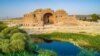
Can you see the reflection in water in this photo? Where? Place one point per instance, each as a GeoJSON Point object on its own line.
{"type": "Point", "coordinates": [67, 49]}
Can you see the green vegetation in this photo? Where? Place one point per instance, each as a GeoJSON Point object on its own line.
{"type": "Point", "coordinates": [79, 39]}
{"type": "Point", "coordinates": [16, 42]}
{"type": "Point", "coordinates": [2, 26]}
{"type": "Point", "coordinates": [95, 17]}
{"type": "Point", "coordinates": [46, 53]}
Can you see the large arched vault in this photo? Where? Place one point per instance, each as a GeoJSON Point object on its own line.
{"type": "Point", "coordinates": [48, 18]}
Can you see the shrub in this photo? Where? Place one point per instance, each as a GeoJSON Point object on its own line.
{"type": "Point", "coordinates": [5, 46]}
{"type": "Point", "coordinates": [14, 40]}
{"type": "Point", "coordinates": [16, 36]}
{"type": "Point", "coordinates": [2, 35]}
{"type": "Point", "coordinates": [17, 45]}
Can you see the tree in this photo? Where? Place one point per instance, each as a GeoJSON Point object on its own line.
{"type": "Point", "coordinates": [95, 17]}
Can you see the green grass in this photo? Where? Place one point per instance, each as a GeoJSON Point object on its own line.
{"type": "Point", "coordinates": [84, 40]}
{"type": "Point", "coordinates": [44, 52]}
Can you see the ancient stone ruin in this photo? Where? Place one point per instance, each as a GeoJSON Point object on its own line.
{"type": "Point", "coordinates": [41, 17]}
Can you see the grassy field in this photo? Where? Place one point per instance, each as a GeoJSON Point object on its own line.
{"type": "Point", "coordinates": [79, 39]}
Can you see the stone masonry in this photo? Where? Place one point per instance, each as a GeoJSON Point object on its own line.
{"type": "Point", "coordinates": [41, 17]}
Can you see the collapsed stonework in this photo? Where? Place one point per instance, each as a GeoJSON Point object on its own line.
{"type": "Point", "coordinates": [41, 17]}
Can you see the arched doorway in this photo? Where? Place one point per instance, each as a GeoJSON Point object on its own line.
{"type": "Point", "coordinates": [48, 18]}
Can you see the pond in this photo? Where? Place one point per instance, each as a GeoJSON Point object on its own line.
{"type": "Point", "coordinates": [67, 49]}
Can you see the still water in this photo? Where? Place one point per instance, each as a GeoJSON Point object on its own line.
{"type": "Point", "coordinates": [67, 49]}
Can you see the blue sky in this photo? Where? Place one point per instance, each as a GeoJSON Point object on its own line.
{"type": "Point", "coordinates": [16, 8]}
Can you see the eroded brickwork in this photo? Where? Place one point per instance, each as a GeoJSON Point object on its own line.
{"type": "Point", "coordinates": [42, 17]}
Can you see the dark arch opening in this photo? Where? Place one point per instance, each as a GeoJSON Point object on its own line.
{"type": "Point", "coordinates": [47, 18]}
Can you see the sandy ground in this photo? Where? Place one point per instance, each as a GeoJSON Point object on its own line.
{"type": "Point", "coordinates": [83, 27]}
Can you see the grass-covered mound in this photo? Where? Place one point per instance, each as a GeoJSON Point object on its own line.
{"type": "Point", "coordinates": [83, 40]}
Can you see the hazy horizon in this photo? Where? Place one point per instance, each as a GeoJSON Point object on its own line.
{"type": "Point", "coordinates": [17, 8]}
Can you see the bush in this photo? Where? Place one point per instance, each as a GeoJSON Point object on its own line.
{"type": "Point", "coordinates": [14, 40]}
{"type": "Point", "coordinates": [2, 36]}
{"type": "Point", "coordinates": [5, 46]}
{"type": "Point", "coordinates": [16, 36]}
{"type": "Point", "coordinates": [17, 45]}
